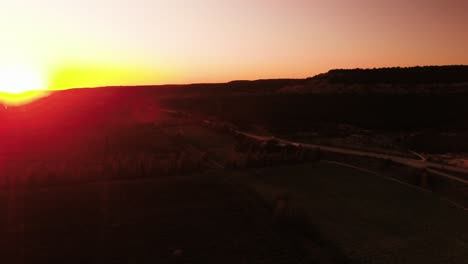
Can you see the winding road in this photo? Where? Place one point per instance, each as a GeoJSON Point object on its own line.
{"type": "Point", "coordinates": [421, 163]}
{"type": "Point", "coordinates": [414, 163]}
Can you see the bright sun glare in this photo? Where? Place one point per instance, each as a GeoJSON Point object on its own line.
{"type": "Point", "coordinates": [20, 84]}
{"type": "Point", "coordinates": [17, 79]}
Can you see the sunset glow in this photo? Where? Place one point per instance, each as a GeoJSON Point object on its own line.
{"type": "Point", "coordinates": [101, 42]}
{"type": "Point", "coordinates": [20, 84]}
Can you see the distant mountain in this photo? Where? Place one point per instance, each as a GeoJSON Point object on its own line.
{"type": "Point", "coordinates": [411, 80]}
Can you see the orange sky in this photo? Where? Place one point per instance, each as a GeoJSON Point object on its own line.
{"type": "Point", "coordinates": [120, 42]}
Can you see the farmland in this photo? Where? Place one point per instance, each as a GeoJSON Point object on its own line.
{"type": "Point", "coordinates": [142, 193]}
{"type": "Point", "coordinates": [372, 219]}
{"type": "Point", "coordinates": [181, 219]}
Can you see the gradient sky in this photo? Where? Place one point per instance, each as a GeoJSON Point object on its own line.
{"type": "Point", "coordinates": [119, 42]}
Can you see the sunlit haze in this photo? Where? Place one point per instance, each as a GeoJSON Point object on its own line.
{"type": "Point", "coordinates": [56, 44]}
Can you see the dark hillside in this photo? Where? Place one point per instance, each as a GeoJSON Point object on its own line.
{"type": "Point", "coordinates": [428, 75]}
{"type": "Point", "coordinates": [388, 99]}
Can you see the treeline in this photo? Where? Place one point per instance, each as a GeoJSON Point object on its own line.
{"type": "Point", "coordinates": [397, 75]}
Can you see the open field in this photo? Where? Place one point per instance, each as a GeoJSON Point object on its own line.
{"type": "Point", "coordinates": [371, 219]}
{"type": "Point", "coordinates": [145, 221]}
{"type": "Point", "coordinates": [132, 194]}
{"type": "Point", "coordinates": [217, 146]}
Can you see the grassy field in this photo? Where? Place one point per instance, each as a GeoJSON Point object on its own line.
{"type": "Point", "coordinates": [371, 219]}
{"type": "Point", "coordinates": [179, 219]}
{"type": "Point", "coordinates": [218, 146]}
{"type": "Point", "coordinates": [131, 194]}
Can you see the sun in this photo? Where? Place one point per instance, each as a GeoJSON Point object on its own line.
{"type": "Point", "coordinates": [17, 79]}
{"type": "Point", "coordinates": [20, 84]}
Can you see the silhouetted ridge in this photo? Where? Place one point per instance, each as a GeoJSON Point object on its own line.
{"type": "Point", "coordinates": [427, 74]}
